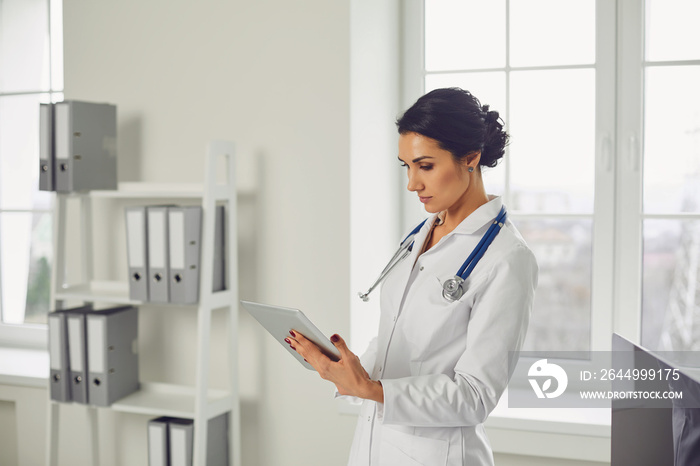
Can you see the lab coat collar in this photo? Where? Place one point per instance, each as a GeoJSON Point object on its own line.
{"type": "Point", "coordinates": [481, 217]}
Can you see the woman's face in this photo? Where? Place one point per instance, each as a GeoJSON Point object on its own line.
{"type": "Point", "coordinates": [440, 182]}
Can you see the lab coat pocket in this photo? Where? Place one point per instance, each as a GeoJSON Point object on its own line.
{"type": "Point", "coordinates": [437, 300]}
{"type": "Point", "coordinates": [433, 321]}
{"type": "Point", "coordinates": [415, 367]}
{"type": "Point", "coordinates": [401, 449]}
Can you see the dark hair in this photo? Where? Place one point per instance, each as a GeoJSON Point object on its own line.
{"type": "Point", "coordinates": [460, 124]}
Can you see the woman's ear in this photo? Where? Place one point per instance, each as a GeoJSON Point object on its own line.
{"type": "Point", "coordinates": [472, 160]}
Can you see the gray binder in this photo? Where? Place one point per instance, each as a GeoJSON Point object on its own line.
{"type": "Point", "coordinates": [219, 281]}
{"type": "Point", "coordinates": [85, 137]}
{"type": "Point", "coordinates": [77, 353]}
{"type": "Point", "coordinates": [137, 251]}
{"type": "Point", "coordinates": [47, 156]}
{"type": "Point", "coordinates": [181, 433]}
{"type": "Point", "coordinates": [170, 441]}
{"type": "Point", "coordinates": [112, 337]}
{"type": "Point", "coordinates": [59, 378]}
{"type": "Point", "coordinates": [185, 232]}
{"type": "Point", "coordinates": [217, 441]}
{"type": "Point", "coordinates": [158, 263]}
{"type": "Point", "coordinates": [158, 442]}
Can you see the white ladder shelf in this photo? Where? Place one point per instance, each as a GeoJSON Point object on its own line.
{"type": "Point", "coordinates": [199, 403]}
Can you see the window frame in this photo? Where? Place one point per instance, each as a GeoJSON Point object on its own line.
{"type": "Point", "coordinates": [32, 335]}
{"type": "Point", "coordinates": [632, 69]}
{"type": "Point", "coordinates": [629, 171]}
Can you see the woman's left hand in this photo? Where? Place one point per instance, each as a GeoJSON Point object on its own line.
{"type": "Point", "coordinates": [348, 375]}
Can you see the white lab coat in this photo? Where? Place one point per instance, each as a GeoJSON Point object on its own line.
{"type": "Point", "coordinates": [444, 365]}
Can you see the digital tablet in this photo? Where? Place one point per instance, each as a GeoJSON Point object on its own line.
{"type": "Point", "coordinates": [280, 320]}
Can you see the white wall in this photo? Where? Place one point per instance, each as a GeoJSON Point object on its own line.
{"type": "Point", "coordinates": [8, 433]}
{"type": "Point", "coordinates": [273, 76]}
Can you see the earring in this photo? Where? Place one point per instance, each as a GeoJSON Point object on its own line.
{"type": "Point", "coordinates": [470, 169]}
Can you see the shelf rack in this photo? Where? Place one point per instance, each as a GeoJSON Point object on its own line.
{"type": "Point", "coordinates": [197, 402]}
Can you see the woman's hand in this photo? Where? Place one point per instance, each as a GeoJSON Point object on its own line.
{"type": "Point", "coordinates": [348, 375]}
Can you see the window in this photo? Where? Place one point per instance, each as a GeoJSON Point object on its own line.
{"type": "Point", "coordinates": [666, 159]}
{"type": "Point", "coordinates": [538, 64]}
{"type": "Point", "coordinates": [31, 72]}
{"type": "Point", "coordinates": [602, 176]}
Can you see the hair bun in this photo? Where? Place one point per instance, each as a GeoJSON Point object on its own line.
{"type": "Point", "coordinates": [495, 138]}
{"type": "Point", "coordinates": [459, 123]}
{"type": "Point", "coordinates": [489, 116]}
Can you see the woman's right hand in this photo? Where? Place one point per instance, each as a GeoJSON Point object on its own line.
{"type": "Point", "coordinates": [348, 375]}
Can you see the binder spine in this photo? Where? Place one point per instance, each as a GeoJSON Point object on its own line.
{"type": "Point", "coordinates": [185, 225]}
{"type": "Point", "coordinates": [63, 168]}
{"type": "Point", "coordinates": [47, 155]}
{"type": "Point", "coordinates": [170, 441]}
{"type": "Point", "coordinates": [78, 357]}
{"type": "Point", "coordinates": [97, 354]}
{"type": "Point", "coordinates": [181, 440]}
{"type": "Point", "coordinates": [59, 378]}
{"type": "Point", "coordinates": [158, 442]}
{"type": "Point", "coordinates": [158, 251]}
{"type": "Point", "coordinates": [137, 251]}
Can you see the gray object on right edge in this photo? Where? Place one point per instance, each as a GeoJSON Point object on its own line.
{"type": "Point", "coordinates": [112, 338]}
{"type": "Point", "coordinates": [85, 144]}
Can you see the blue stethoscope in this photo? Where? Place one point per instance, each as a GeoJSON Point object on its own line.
{"type": "Point", "coordinates": [452, 289]}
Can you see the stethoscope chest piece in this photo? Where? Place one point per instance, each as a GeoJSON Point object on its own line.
{"type": "Point", "coordinates": [452, 289]}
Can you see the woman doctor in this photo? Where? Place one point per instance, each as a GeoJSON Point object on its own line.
{"type": "Point", "coordinates": [438, 366]}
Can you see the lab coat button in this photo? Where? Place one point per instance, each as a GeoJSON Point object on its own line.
{"type": "Point", "coordinates": [421, 268]}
